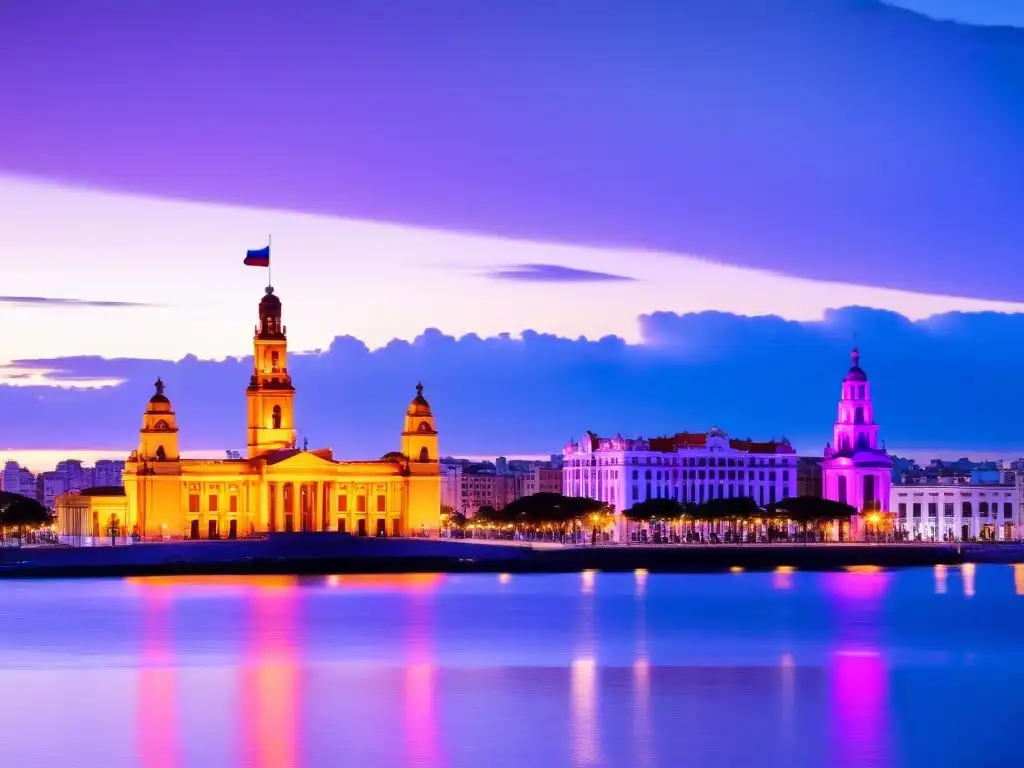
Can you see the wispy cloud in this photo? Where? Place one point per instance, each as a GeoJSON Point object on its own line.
{"type": "Point", "coordinates": [552, 273]}
{"type": "Point", "coordinates": [54, 301]}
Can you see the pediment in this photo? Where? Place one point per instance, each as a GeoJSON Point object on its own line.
{"type": "Point", "coordinates": [302, 460]}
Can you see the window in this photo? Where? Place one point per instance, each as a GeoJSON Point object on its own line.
{"type": "Point", "coordinates": [193, 503]}
{"type": "Point", "coordinates": [1008, 510]}
{"type": "Point", "coordinates": [902, 509]}
{"type": "Point", "coordinates": [947, 509]}
{"type": "Point", "coordinates": [966, 510]}
{"type": "Point", "coordinates": [933, 509]}
{"type": "Point", "coordinates": [381, 502]}
{"type": "Point", "coordinates": [869, 489]}
{"type": "Point", "coordinates": [274, 362]}
{"type": "Point", "coordinates": [360, 503]}
{"type": "Point", "coordinates": [342, 502]}
{"type": "Point", "coordinates": [842, 488]}
{"type": "Point", "coordinates": [276, 418]}
{"type": "Point", "coordinates": [232, 503]}
{"type": "Point", "coordinates": [424, 454]}
{"type": "Point", "coordinates": [983, 509]}
{"type": "Point", "coordinates": [916, 509]}
{"type": "Point", "coordinates": [213, 502]}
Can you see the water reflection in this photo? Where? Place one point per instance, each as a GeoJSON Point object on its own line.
{"type": "Point", "coordinates": [270, 680]}
{"type": "Point", "coordinates": [420, 695]}
{"type": "Point", "coordinates": [940, 579]}
{"type": "Point", "coordinates": [967, 571]}
{"type": "Point", "coordinates": [782, 577]}
{"type": "Point", "coordinates": [585, 747]}
{"type": "Point", "coordinates": [1018, 579]}
{"type": "Point", "coordinates": [157, 729]}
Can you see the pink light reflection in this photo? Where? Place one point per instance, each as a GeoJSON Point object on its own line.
{"type": "Point", "coordinates": [157, 731]}
{"type": "Point", "coordinates": [270, 681]}
{"type": "Point", "coordinates": [859, 693]}
{"type": "Point", "coordinates": [865, 583]}
{"type": "Point", "coordinates": [420, 688]}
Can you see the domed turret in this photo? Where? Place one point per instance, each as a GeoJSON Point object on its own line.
{"type": "Point", "coordinates": [270, 316]}
{"type": "Point", "coordinates": [159, 402]}
{"type": "Point", "coordinates": [419, 405]}
{"type": "Point", "coordinates": [856, 373]}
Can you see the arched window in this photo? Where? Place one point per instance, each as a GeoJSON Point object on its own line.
{"type": "Point", "coordinates": [842, 488]}
{"type": "Point", "coordinates": [869, 490]}
{"type": "Point", "coordinates": [276, 417]}
{"type": "Point", "coordinates": [424, 454]}
{"type": "Point", "coordinates": [160, 425]}
{"type": "Point", "coordinates": [160, 454]}
{"type": "Point", "coordinates": [862, 441]}
{"type": "Point", "coordinates": [858, 415]}
{"type": "Point", "coordinates": [424, 427]}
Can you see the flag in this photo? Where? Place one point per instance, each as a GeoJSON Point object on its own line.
{"type": "Point", "coordinates": [260, 258]}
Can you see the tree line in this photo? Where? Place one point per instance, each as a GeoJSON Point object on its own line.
{"type": "Point", "coordinates": [21, 512]}
{"type": "Point", "coordinates": [556, 509]}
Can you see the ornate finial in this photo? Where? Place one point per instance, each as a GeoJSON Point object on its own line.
{"type": "Point", "coordinates": [305, 444]}
{"type": "Point", "coordinates": [855, 357]}
{"type": "Point", "coordinates": [159, 384]}
{"type": "Point", "coordinates": [419, 388]}
{"type": "Point", "coordinates": [269, 289]}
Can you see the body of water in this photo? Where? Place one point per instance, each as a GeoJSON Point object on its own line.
{"type": "Point", "coordinates": [859, 668]}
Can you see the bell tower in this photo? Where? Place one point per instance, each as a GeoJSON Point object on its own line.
{"type": "Point", "coordinates": [158, 438]}
{"type": "Point", "coordinates": [270, 396]}
{"type": "Point", "coordinates": [419, 437]}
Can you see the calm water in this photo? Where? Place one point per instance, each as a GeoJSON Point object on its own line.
{"type": "Point", "coordinates": [911, 668]}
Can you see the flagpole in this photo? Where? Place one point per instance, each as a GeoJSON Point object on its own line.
{"type": "Point", "coordinates": [270, 282]}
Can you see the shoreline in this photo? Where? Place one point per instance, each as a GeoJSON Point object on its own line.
{"type": "Point", "coordinates": [319, 554]}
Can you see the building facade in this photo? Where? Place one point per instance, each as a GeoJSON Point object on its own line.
{"type": "Point", "coordinates": [954, 512]}
{"type": "Point", "coordinates": [687, 468]}
{"type": "Point", "coordinates": [18, 479]}
{"type": "Point", "coordinates": [855, 470]}
{"type": "Point", "coordinates": [277, 487]}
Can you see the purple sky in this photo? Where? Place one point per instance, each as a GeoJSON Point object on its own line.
{"type": "Point", "coordinates": [506, 166]}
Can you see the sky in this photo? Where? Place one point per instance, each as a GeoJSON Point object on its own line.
{"type": "Point", "coordinates": [649, 218]}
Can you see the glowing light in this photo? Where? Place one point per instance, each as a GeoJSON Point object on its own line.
{"type": "Point", "coordinates": [863, 569]}
{"type": "Point", "coordinates": [333, 581]}
{"type": "Point", "coordinates": [783, 577]}
{"type": "Point", "coordinates": [736, 569]}
{"type": "Point", "coordinates": [1018, 579]}
{"type": "Point", "coordinates": [584, 712]}
{"type": "Point", "coordinates": [641, 580]}
{"type": "Point", "coordinates": [504, 578]}
{"type": "Point", "coordinates": [967, 570]}
{"type": "Point", "coordinates": [588, 581]}
{"type": "Point", "coordinates": [940, 579]}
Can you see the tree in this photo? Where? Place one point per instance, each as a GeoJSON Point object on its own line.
{"type": "Point", "coordinates": [21, 512]}
{"type": "Point", "coordinates": [554, 508]}
{"type": "Point", "coordinates": [739, 508]}
{"type": "Point", "coordinates": [810, 509]}
{"type": "Point", "coordinates": [655, 509]}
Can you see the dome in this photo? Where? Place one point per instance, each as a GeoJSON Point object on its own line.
{"type": "Point", "coordinates": [160, 399]}
{"type": "Point", "coordinates": [856, 373]}
{"type": "Point", "coordinates": [419, 405]}
{"type": "Point", "coordinates": [270, 305]}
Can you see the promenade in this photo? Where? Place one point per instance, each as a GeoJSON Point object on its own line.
{"type": "Point", "coordinates": [329, 553]}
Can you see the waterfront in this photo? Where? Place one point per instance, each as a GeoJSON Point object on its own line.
{"type": "Point", "coordinates": [854, 668]}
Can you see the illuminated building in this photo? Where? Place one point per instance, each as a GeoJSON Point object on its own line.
{"type": "Point", "coordinates": [277, 487]}
{"type": "Point", "coordinates": [856, 471]}
{"type": "Point", "coordinates": [945, 512]}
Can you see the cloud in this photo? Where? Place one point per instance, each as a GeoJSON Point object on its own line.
{"type": "Point", "coordinates": [62, 302]}
{"type": "Point", "coordinates": [941, 382]}
{"type": "Point", "coordinates": [552, 273]}
{"type": "Point", "coordinates": [818, 147]}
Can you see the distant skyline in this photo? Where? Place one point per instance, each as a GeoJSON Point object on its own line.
{"type": "Point", "coordinates": [599, 234]}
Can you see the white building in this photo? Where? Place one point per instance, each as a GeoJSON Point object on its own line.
{"type": "Point", "coordinates": [957, 512]}
{"type": "Point", "coordinates": [108, 473]}
{"type": "Point", "coordinates": [451, 486]}
{"type": "Point", "coordinates": [18, 479]}
{"type": "Point", "coordinates": [53, 485]}
{"type": "Point", "coordinates": [686, 467]}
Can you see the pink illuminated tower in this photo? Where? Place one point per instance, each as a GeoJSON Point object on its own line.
{"type": "Point", "coordinates": [856, 470]}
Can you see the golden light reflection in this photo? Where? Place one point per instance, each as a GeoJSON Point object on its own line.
{"type": "Point", "coordinates": [736, 569]}
{"type": "Point", "coordinates": [588, 577]}
{"type": "Point", "coordinates": [940, 579]}
{"type": "Point", "coordinates": [236, 582]}
{"type": "Point", "coordinates": [407, 582]}
{"type": "Point", "coordinates": [1018, 579]}
{"type": "Point", "coordinates": [967, 570]}
{"type": "Point", "coordinates": [270, 681]}
{"type": "Point", "coordinates": [585, 745]}
{"type": "Point", "coordinates": [641, 580]}
{"type": "Point", "coordinates": [863, 569]}
{"type": "Point", "coordinates": [504, 578]}
{"type": "Point", "coordinates": [782, 578]}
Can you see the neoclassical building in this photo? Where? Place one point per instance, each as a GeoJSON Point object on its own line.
{"type": "Point", "coordinates": [855, 470]}
{"type": "Point", "coordinates": [277, 487]}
